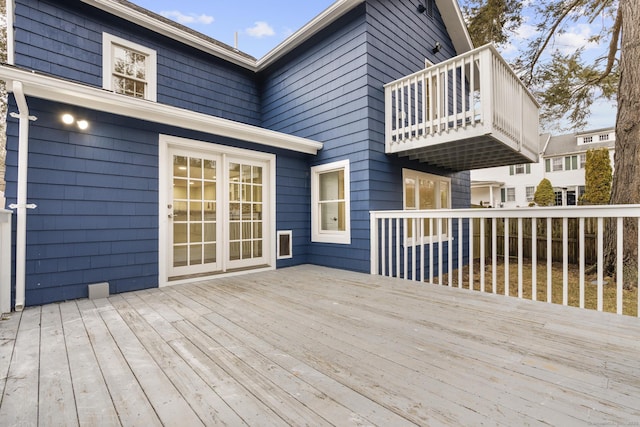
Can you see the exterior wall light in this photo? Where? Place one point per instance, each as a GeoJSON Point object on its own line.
{"type": "Point", "coordinates": [68, 119]}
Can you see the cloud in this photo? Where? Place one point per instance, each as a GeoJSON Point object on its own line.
{"type": "Point", "coordinates": [185, 19]}
{"type": "Point", "coordinates": [576, 37]}
{"type": "Point", "coordinates": [261, 29]}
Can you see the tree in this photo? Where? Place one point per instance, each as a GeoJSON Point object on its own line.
{"type": "Point", "coordinates": [597, 177]}
{"type": "Point", "coordinates": [566, 84]}
{"type": "Point", "coordinates": [544, 195]}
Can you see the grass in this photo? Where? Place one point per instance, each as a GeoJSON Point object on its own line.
{"type": "Point", "coordinates": [629, 298]}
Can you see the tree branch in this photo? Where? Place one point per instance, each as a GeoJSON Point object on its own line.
{"type": "Point", "coordinates": [613, 48]}
{"type": "Point", "coordinates": [551, 33]}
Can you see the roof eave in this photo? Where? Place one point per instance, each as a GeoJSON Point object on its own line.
{"type": "Point", "coordinates": [147, 21]}
{"type": "Point", "coordinates": [456, 27]}
{"type": "Point", "coordinates": [54, 89]}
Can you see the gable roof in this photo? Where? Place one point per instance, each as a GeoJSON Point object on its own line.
{"type": "Point", "coordinates": [449, 9]}
{"type": "Point", "coordinates": [568, 143]}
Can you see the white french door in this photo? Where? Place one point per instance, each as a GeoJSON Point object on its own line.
{"type": "Point", "coordinates": [194, 213]}
{"type": "Point", "coordinates": [218, 211]}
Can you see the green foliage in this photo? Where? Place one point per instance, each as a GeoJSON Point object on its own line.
{"type": "Point", "coordinates": [597, 176]}
{"type": "Point", "coordinates": [492, 21]}
{"type": "Point", "coordinates": [544, 195]}
{"type": "Point", "coordinates": [564, 82]}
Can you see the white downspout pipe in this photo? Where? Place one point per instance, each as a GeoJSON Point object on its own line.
{"type": "Point", "coordinates": [21, 205]}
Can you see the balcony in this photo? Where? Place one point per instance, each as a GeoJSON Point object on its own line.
{"type": "Point", "coordinates": [469, 112]}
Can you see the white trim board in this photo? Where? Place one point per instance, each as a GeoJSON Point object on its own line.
{"type": "Point", "coordinates": [167, 142]}
{"type": "Point", "coordinates": [55, 89]}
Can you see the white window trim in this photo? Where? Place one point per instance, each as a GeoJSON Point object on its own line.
{"type": "Point", "coordinates": [434, 238]}
{"type": "Point", "coordinates": [108, 40]}
{"type": "Point", "coordinates": [338, 237]}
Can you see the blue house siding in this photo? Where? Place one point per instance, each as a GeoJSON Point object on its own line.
{"type": "Point", "coordinates": [97, 204]}
{"type": "Point", "coordinates": [65, 39]}
{"type": "Point", "coordinates": [319, 91]}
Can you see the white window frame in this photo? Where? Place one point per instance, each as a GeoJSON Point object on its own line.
{"type": "Point", "coordinates": [530, 193]}
{"type": "Point", "coordinates": [437, 180]}
{"type": "Point", "coordinates": [557, 164]}
{"type": "Point", "coordinates": [324, 236]}
{"type": "Point", "coordinates": [510, 194]}
{"type": "Point", "coordinates": [108, 41]}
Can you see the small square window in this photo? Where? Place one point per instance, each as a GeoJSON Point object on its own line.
{"type": "Point", "coordinates": [128, 68]}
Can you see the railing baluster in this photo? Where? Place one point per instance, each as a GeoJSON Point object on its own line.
{"type": "Point", "coordinates": [600, 267]}
{"type": "Point", "coordinates": [450, 250]}
{"type": "Point", "coordinates": [398, 234]}
{"type": "Point", "coordinates": [431, 250]}
{"type": "Point", "coordinates": [565, 261]}
{"type": "Point", "coordinates": [534, 259]}
{"type": "Point", "coordinates": [549, 261]}
{"type": "Point", "coordinates": [422, 257]}
{"type": "Point", "coordinates": [383, 253]}
{"type": "Point", "coordinates": [406, 249]}
{"type": "Point", "coordinates": [581, 261]}
{"type": "Point", "coordinates": [461, 252]}
{"type": "Point", "coordinates": [520, 256]}
{"type": "Point", "coordinates": [471, 254]}
{"type": "Point", "coordinates": [390, 246]}
{"type": "Point", "coordinates": [440, 251]}
{"type": "Point", "coordinates": [482, 255]}
{"type": "Point", "coordinates": [506, 257]}
{"type": "Point", "coordinates": [619, 268]}
{"type": "Point", "coordinates": [494, 254]}
{"type": "Point", "coordinates": [414, 248]}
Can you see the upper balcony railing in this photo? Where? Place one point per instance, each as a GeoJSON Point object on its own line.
{"type": "Point", "coordinates": [468, 112]}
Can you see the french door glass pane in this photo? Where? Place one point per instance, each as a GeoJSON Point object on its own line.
{"type": "Point", "coordinates": [194, 211]}
{"type": "Point", "coordinates": [245, 211]}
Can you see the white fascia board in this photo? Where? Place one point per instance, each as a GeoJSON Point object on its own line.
{"type": "Point", "coordinates": [456, 27]}
{"type": "Point", "coordinates": [53, 89]}
{"type": "Point", "coordinates": [175, 33]}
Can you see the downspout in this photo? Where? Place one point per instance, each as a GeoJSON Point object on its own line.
{"type": "Point", "coordinates": [21, 205]}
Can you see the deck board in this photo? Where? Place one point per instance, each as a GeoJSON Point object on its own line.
{"type": "Point", "coordinates": [316, 346]}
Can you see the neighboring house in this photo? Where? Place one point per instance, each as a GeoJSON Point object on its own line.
{"type": "Point", "coordinates": [562, 160]}
{"type": "Point", "coordinates": [161, 156]}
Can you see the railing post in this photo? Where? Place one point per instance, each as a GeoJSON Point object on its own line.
{"type": "Point", "coordinates": [373, 242]}
{"type": "Point", "coordinates": [486, 87]}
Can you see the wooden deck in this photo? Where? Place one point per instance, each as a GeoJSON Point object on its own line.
{"type": "Point", "coordinates": [316, 346]}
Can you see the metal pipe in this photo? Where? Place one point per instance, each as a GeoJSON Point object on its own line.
{"type": "Point", "coordinates": [21, 205]}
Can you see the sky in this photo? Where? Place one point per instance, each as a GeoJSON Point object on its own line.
{"type": "Point", "coordinates": [262, 25]}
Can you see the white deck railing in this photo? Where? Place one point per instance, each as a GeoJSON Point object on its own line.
{"type": "Point", "coordinates": [559, 235]}
{"type": "Point", "coordinates": [475, 91]}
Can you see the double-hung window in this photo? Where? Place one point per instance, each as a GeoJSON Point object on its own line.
{"type": "Point", "coordinates": [330, 203]}
{"type": "Point", "coordinates": [128, 68]}
{"type": "Point", "coordinates": [424, 191]}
